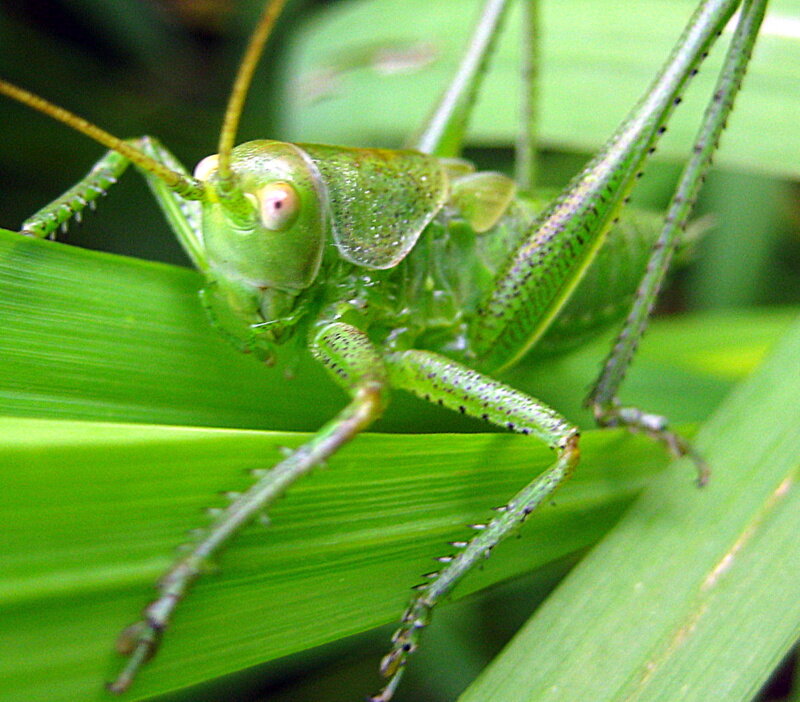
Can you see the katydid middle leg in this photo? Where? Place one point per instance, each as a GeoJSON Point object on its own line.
{"type": "Point", "coordinates": [452, 385]}
{"type": "Point", "coordinates": [352, 360]}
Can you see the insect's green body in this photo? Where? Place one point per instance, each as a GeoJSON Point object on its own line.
{"type": "Point", "coordinates": [423, 295]}
{"type": "Point", "coordinates": [430, 294]}
{"type": "Point", "coordinates": [407, 270]}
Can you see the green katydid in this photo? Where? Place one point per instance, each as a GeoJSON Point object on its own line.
{"type": "Point", "coordinates": [407, 269]}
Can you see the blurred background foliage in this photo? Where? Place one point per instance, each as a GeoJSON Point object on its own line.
{"type": "Point", "coordinates": [164, 67]}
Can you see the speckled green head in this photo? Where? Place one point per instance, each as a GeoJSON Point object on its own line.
{"type": "Point", "coordinates": [278, 243]}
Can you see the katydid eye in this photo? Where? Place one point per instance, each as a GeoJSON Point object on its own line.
{"type": "Point", "coordinates": [279, 205]}
{"type": "Point", "coordinates": [206, 167]}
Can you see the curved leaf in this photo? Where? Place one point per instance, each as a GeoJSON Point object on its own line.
{"type": "Point", "coordinates": [366, 72]}
{"type": "Point", "coordinates": [92, 510]}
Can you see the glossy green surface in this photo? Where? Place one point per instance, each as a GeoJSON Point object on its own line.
{"type": "Point", "coordinates": [378, 201]}
{"type": "Point", "coordinates": [94, 509]}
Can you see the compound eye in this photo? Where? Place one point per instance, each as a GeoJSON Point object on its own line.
{"type": "Point", "coordinates": [279, 205]}
{"type": "Point", "coordinates": [206, 167]}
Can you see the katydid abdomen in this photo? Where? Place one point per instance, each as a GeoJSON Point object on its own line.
{"type": "Point", "coordinates": [465, 263]}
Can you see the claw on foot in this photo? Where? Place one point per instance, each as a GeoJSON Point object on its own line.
{"type": "Point", "coordinates": [404, 643]}
{"type": "Point", "coordinates": [655, 426]}
{"type": "Point", "coordinates": [139, 641]}
{"type": "Point", "coordinates": [388, 691]}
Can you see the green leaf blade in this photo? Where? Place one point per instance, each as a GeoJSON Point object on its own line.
{"type": "Point", "coordinates": [693, 596]}
{"type": "Point", "coordinates": [94, 516]}
{"type": "Point", "coordinates": [94, 336]}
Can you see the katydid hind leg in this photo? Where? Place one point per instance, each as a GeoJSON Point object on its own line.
{"type": "Point", "coordinates": [603, 398]}
{"type": "Point", "coordinates": [355, 364]}
{"type": "Point", "coordinates": [540, 276]}
{"type": "Point", "coordinates": [457, 387]}
{"type": "Point", "coordinates": [542, 272]}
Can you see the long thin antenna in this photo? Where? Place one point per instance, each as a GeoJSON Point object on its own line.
{"type": "Point", "coordinates": [187, 187]}
{"type": "Point", "coordinates": [240, 87]}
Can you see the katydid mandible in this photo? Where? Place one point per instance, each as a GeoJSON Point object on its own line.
{"type": "Point", "coordinates": [380, 259]}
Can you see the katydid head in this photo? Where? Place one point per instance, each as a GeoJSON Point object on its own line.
{"type": "Point", "coordinates": [263, 225]}
{"type": "Point", "coordinates": [262, 218]}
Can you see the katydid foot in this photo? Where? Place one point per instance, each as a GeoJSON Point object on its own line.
{"type": "Point", "coordinates": [439, 584]}
{"type": "Point", "coordinates": [656, 427]}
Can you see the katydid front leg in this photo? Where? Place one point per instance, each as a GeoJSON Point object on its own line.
{"type": "Point", "coordinates": [355, 364]}
{"type": "Point", "coordinates": [183, 215]}
{"type": "Point", "coordinates": [45, 222]}
{"type": "Point", "coordinates": [438, 379]}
